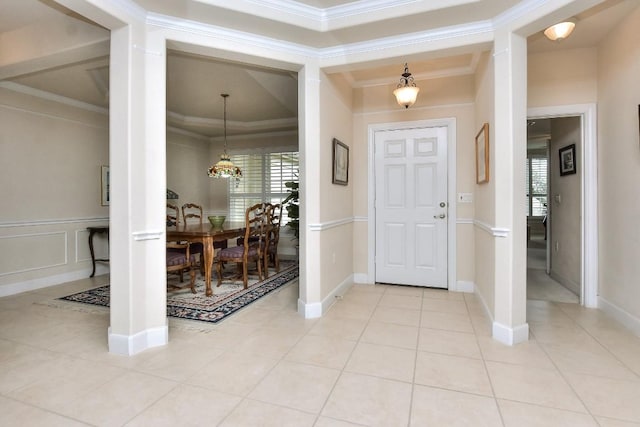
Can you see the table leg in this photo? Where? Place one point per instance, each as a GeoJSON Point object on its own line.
{"type": "Point", "coordinates": [93, 258]}
{"type": "Point", "coordinates": [208, 263]}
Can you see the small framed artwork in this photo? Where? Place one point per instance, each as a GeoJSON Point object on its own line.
{"type": "Point", "coordinates": [567, 160]}
{"type": "Point", "coordinates": [482, 154]}
{"type": "Point", "coordinates": [104, 181]}
{"type": "Point", "coordinates": [340, 163]}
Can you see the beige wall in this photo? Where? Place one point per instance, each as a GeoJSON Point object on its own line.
{"type": "Point", "coordinates": [335, 241]}
{"type": "Point", "coordinates": [564, 77]}
{"type": "Point", "coordinates": [50, 162]}
{"type": "Point", "coordinates": [188, 159]}
{"type": "Point", "coordinates": [619, 166]}
{"type": "Point", "coordinates": [484, 194]}
{"type": "Point", "coordinates": [565, 202]}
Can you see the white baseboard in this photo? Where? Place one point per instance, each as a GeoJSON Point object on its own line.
{"type": "Point", "coordinates": [627, 319]}
{"type": "Point", "coordinates": [128, 345]}
{"type": "Point", "coordinates": [309, 311]}
{"type": "Point", "coordinates": [317, 309]}
{"type": "Point", "coordinates": [361, 278]}
{"type": "Point", "coordinates": [510, 336]}
{"type": "Point", "coordinates": [464, 286]}
{"type": "Point", "coordinates": [45, 282]}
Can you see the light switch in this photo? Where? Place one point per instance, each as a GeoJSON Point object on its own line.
{"type": "Point", "coordinates": [465, 197]}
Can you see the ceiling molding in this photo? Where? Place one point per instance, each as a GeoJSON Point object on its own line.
{"type": "Point", "coordinates": [260, 135]}
{"type": "Point", "coordinates": [449, 72]}
{"type": "Point", "coordinates": [232, 36]}
{"type": "Point", "coordinates": [188, 133]}
{"type": "Point", "coordinates": [336, 17]}
{"type": "Point", "coordinates": [53, 97]}
{"type": "Point", "coordinates": [231, 124]}
{"type": "Point", "coordinates": [481, 30]}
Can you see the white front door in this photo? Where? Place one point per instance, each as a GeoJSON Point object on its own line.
{"type": "Point", "coordinates": [411, 206]}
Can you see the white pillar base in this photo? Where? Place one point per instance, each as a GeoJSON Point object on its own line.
{"type": "Point", "coordinates": [510, 336]}
{"type": "Point", "coordinates": [128, 345]}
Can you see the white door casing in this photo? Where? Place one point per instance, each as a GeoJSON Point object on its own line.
{"type": "Point", "coordinates": [411, 206]}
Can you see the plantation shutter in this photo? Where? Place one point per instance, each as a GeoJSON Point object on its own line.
{"type": "Point", "coordinates": [263, 179]}
{"type": "Point", "coordinates": [536, 182]}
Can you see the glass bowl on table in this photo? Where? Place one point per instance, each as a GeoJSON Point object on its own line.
{"type": "Point", "coordinates": [217, 220]}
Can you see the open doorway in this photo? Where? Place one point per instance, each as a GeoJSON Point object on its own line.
{"type": "Point", "coordinates": [554, 201]}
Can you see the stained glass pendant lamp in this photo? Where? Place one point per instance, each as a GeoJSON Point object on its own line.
{"type": "Point", "coordinates": [225, 167]}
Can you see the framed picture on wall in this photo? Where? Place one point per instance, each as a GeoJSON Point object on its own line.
{"type": "Point", "coordinates": [340, 163]}
{"type": "Point", "coordinates": [567, 160]}
{"type": "Point", "coordinates": [482, 154]}
{"type": "Point", "coordinates": [104, 189]}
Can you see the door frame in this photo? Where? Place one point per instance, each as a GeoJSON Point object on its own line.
{"type": "Point", "coordinates": [450, 124]}
{"type": "Point", "coordinates": [589, 192]}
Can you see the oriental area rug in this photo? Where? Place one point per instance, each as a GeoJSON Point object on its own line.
{"type": "Point", "coordinates": [227, 298]}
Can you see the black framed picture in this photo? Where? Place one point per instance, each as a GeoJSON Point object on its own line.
{"type": "Point", "coordinates": [567, 160]}
{"type": "Point", "coordinates": [340, 163]}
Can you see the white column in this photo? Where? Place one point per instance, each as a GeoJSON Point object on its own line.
{"type": "Point", "coordinates": [138, 175]}
{"type": "Point", "coordinates": [309, 304]}
{"type": "Point", "coordinates": [509, 145]}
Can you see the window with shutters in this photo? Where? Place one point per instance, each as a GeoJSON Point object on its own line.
{"type": "Point", "coordinates": [263, 179]}
{"type": "Point", "coordinates": [536, 181]}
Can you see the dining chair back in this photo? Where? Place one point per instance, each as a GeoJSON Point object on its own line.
{"type": "Point", "coordinates": [253, 248]}
{"type": "Point", "coordinates": [191, 210]}
{"type": "Point", "coordinates": [173, 214]}
{"type": "Point", "coordinates": [274, 217]}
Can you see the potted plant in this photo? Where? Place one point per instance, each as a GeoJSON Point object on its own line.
{"type": "Point", "coordinates": [293, 208]}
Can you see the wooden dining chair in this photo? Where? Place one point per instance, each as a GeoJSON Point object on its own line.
{"type": "Point", "coordinates": [253, 248]}
{"type": "Point", "coordinates": [274, 218]}
{"type": "Point", "coordinates": [173, 215]}
{"type": "Point", "coordinates": [181, 260]}
{"type": "Point", "coordinates": [191, 210]}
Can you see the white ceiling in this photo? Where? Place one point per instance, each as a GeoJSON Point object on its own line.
{"type": "Point", "coordinates": [264, 99]}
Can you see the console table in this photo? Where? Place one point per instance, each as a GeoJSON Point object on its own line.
{"type": "Point", "coordinates": [92, 232]}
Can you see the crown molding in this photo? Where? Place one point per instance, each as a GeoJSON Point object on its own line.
{"type": "Point", "coordinates": [481, 29]}
{"type": "Point", "coordinates": [336, 17]}
{"type": "Point", "coordinates": [15, 87]}
{"type": "Point", "coordinates": [229, 35]}
{"type": "Point", "coordinates": [231, 124]}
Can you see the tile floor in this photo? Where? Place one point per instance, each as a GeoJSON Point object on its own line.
{"type": "Point", "coordinates": [382, 356]}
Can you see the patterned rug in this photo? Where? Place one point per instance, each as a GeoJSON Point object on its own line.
{"type": "Point", "coordinates": [227, 299]}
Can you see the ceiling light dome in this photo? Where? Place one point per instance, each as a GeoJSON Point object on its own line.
{"type": "Point", "coordinates": [560, 31]}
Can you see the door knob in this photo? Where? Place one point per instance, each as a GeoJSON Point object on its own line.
{"type": "Point", "coordinates": [441, 216]}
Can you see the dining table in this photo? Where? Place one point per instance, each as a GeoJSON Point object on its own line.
{"type": "Point", "coordinates": [206, 234]}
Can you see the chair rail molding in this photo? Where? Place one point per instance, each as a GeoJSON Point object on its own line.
{"type": "Point", "coordinates": [494, 231]}
{"type": "Point", "coordinates": [34, 223]}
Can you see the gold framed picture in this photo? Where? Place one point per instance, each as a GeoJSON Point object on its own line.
{"type": "Point", "coordinates": [340, 163]}
{"type": "Point", "coordinates": [482, 155]}
{"type": "Point", "coordinates": [104, 186]}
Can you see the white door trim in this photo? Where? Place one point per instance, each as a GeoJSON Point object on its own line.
{"type": "Point", "coordinates": [589, 180]}
{"type": "Point", "coordinates": [450, 123]}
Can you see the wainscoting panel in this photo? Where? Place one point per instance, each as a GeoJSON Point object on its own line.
{"type": "Point", "coordinates": [100, 246]}
{"type": "Point", "coordinates": [27, 252]}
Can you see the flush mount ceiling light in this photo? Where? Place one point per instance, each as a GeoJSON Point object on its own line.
{"type": "Point", "coordinates": [560, 31]}
{"type": "Point", "coordinates": [225, 167]}
{"type": "Point", "coordinates": [407, 91]}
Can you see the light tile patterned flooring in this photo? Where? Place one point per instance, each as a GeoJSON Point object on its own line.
{"type": "Point", "coordinates": [382, 356]}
